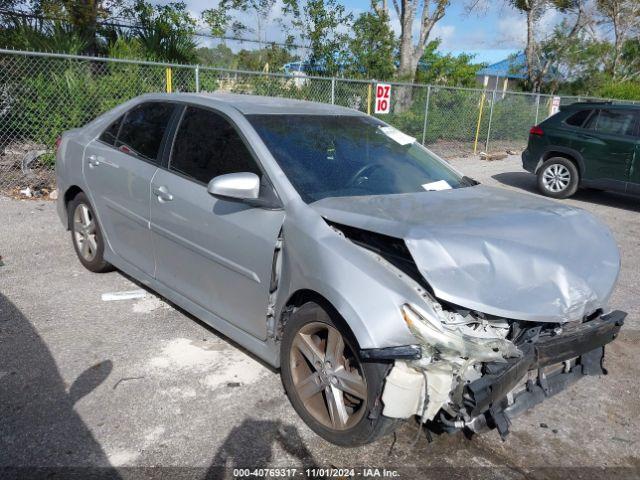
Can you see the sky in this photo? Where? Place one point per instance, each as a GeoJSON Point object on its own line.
{"type": "Point", "coordinates": [492, 32]}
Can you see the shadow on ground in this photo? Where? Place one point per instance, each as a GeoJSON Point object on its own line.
{"type": "Point", "coordinates": [526, 181]}
{"type": "Point", "coordinates": [252, 444]}
{"type": "Point", "coordinates": [39, 429]}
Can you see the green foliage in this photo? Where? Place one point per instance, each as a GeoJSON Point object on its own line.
{"type": "Point", "coordinates": [220, 18]}
{"type": "Point", "coordinates": [439, 69]}
{"type": "Point", "coordinates": [623, 90]}
{"type": "Point", "coordinates": [271, 58]}
{"type": "Point", "coordinates": [50, 37]}
{"type": "Point", "coordinates": [218, 56]}
{"type": "Point", "coordinates": [164, 31]}
{"type": "Point", "coordinates": [321, 24]}
{"type": "Point", "coordinates": [372, 47]}
{"type": "Point", "coordinates": [51, 96]}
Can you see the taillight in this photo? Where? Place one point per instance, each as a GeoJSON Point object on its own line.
{"type": "Point", "coordinates": [58, 141]}
{"type": "Point", "coordinates": [536, 130]}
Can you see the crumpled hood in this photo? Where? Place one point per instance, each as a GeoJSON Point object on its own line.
{"type": "Point", "coordinates": [496, 251]}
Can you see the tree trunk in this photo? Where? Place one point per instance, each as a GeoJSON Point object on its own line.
{"type": "Point", "coordinates": [530, 51]}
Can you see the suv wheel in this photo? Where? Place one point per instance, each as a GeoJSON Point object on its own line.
{"type": "Point", "coordinates": [86, 235]}
{"type": "Point", "coordinates": [558, 178]}
{"type": "Point", "coordinates": [335, 393]}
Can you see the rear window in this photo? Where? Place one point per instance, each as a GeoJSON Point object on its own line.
{"type": "Point", "coordinates": [578, 118]}
{"type": "Point", "coordinates": [110, 135]}
{"type": "Point", "coordinates": [613, 122]}
{"type": "Point", "coordinates": [143, 129]}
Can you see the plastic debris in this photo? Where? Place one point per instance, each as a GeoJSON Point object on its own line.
{"type": "Point", "coordinates": [26, 192]}
{"type": "Point", "coordinates": [128, 295]}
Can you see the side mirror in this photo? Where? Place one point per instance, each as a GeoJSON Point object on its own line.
{"type": "Point", "coordinates": [243, 186]}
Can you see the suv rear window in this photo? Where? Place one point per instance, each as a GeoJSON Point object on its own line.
{"type": "Point", "coordinates": [578, 118]}
{"type": "Point", "coordinates": [613, 122]}
{"type": "Point", "coordinates": [143, 129]}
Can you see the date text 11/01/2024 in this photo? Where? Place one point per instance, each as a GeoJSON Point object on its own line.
{"type": "Point", "coordinates": [315, 472]}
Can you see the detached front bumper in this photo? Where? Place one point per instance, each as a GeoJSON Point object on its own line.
{"type": "Point", "coordinates": [547, 367]}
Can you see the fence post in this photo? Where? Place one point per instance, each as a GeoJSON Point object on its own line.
{"type": "Point", "coordinates": [426, 115]}
{"type": "Point", "coordinates": [537, 108]}
{"type": "Point", "coordinates": [197, 72]}
{"type": "Point", "coordinates": [475, 141]}
{"type": "Point", "coordinates": [168, 80]}
{"type": "Point", "coordinates": [369, 98]}
{"type": "Point", "coordinates": [493, 101]}
{"type": "Point", "coordinates": [333, 90]}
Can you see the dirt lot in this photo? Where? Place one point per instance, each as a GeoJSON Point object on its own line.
{"type": "Point", "coordinates": [112, 387]}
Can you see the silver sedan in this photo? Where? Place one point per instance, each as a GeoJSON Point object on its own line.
{"type": "Point", "coordinates": [383, 283]}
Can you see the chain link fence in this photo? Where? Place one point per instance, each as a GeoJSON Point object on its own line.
{"type": "Point", "coordinates": [43, 94]}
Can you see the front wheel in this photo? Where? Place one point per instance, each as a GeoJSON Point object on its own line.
{"type": "Point", "coordinates": [558, 178]}
{"type": "Point", "coordinates": [335, 393]}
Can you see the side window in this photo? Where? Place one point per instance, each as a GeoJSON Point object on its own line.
{"type": "Point", "coordinates": [143, 128]}
{"type": "Point", "coordinates": [613, 122]}
{"type": "Point", "coordinates": [110, 134]}
{"type": "Point", "coordinates": [207, 145]}
{"type": "Point", "coordinates": [578, 118]}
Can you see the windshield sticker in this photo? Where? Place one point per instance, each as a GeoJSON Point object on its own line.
{"type": "Point", "coordinates": [397, 135]}
{"type": "Point", "coordinates": [435, 186]}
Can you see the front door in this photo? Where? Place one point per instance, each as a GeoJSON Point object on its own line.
{"type": "Point", "coordinates": [118, 168]}
{"type": "Point", "coordinates": [217, 253]}
{"type": "Point", "coordinates": [607, 145]}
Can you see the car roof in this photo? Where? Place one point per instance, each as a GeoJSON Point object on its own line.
{"type": "Point", "coordinates": [256, 104]}
{"type": "Point", "coordinates": [579, 105]}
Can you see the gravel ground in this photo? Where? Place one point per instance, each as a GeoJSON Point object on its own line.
{"type": "Point", "coordinates": [139, 388]}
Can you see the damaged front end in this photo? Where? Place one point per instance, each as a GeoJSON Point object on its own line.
{"type": "Point", "coordinates": [478, 373]}
{"type": "Point", "coordinates": [472, 370]}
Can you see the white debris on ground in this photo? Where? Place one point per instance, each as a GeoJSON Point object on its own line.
{"type": "Point", "coordinates": [128, 295]}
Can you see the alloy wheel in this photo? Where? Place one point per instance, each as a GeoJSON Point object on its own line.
{"type": "Point", "coordinates": [327, 376]}
{"type": "Point", "coordinates": [556, 178]}
{"type": "Point", "coordinates": [84, 232]}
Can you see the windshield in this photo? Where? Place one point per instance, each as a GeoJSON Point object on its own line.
{"type": "Point", "coordinates": [337, 156]}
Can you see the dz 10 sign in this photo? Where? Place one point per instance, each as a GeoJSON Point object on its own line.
{"type": "Point", "coordinates": [383, 98]}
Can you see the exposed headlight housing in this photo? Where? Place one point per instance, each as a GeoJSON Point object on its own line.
{"type": "Point", "coordinates": [432, 333]}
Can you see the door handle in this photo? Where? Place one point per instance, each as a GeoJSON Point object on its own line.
{"type": "Point", "coordinates": [93, 161]}
{"type": "Point", "coordinates": [163, 194]}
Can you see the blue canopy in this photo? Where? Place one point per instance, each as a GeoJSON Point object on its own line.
{"type": "Point", "coordinates": [512, 67]}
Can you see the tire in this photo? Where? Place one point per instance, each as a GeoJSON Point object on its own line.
{"type": "Point", "coordinates": [311, 327]}
{"type": "Point", "coordinates": [558, 178]}
{"type": "Point", "coordinates": [86, 235]}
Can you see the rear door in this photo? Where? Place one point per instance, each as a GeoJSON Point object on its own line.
{"type": "Point", "coordinates": [607, 145]}
{"type": "Point", "coordinates": [217, 253]}
{"type": "Point", "coordinates": [634, 174]}
{"type": "Point", "coordinates": [118, 168]}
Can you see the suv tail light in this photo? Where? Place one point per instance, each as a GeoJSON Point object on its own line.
{"type": "Point", "coordinates": [536, 130]}
{"type": "Point", "coordinates": [58, 141]}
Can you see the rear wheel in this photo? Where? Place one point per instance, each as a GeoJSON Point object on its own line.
{"type": "Point", "coordinates": [335, 393]}
{"type": "Point", "coordinates": [558, 178]}
{"type": "Point", "coordinates": [86, 235]}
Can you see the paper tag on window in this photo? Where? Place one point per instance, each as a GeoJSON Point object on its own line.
{"type": "Point", "coordinates": [435, 186]}
{"type": "Point", "coordinates": [397, 135]}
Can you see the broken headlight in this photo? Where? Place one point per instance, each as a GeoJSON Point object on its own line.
{"type": "Point", "coordinates": [435, 336]}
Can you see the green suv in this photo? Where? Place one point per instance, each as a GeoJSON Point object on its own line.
{"type": "Point", "coordinates": [595, 145]}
